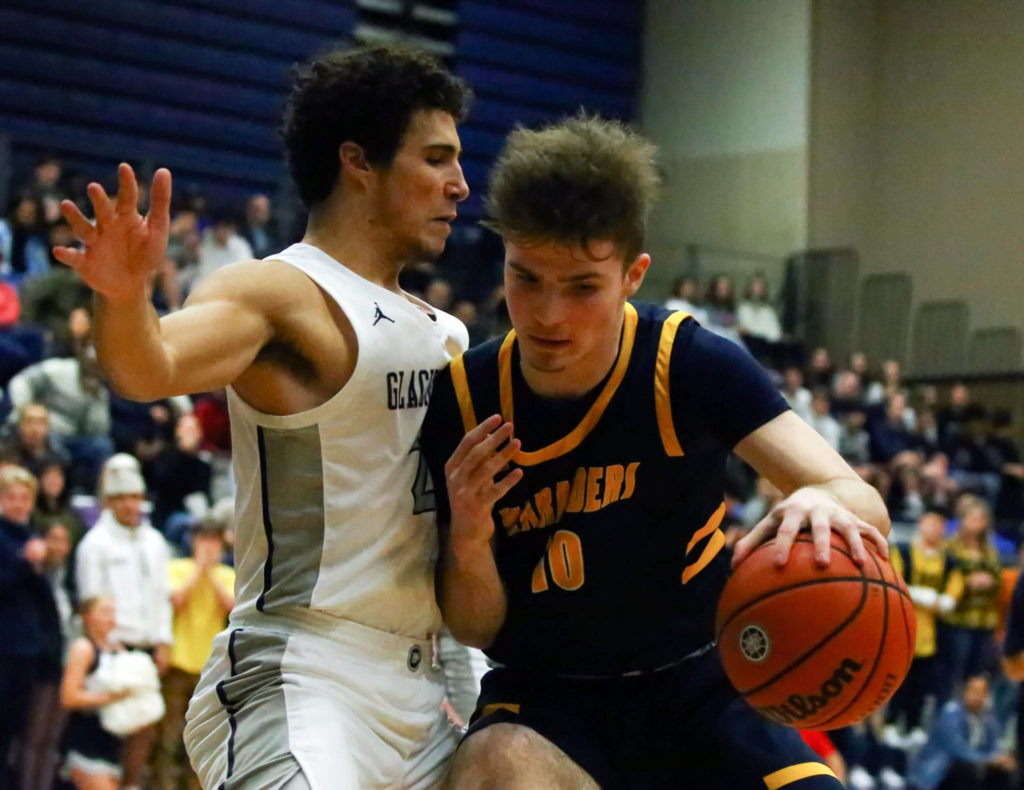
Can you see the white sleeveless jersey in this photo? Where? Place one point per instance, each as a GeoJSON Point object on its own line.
{"type": "Point", "coordinates": [334, 506]}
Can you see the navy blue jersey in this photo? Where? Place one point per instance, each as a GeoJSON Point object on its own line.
{"type": "Point", "coordinates": [609, 547]}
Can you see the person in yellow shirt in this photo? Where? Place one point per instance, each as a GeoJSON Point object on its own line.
{"type": "Point", "coordinates": [926, 568]}
{"type": "Point", "coordinates": [202, 594]}
{"type": "Point", "coordinates": [967, 635]}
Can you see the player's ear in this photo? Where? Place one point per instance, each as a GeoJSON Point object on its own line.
{"type": "Point", "coordinates": [635, 274]}
{"type": "Point", "coordinates": [353, 161]}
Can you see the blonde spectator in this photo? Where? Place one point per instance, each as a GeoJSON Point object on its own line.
{"type": "Point", "coordinates": [93, 754]}
{"type": "Point", "coordinates": [30, 651]}
{"type": "Point", "coordinates": [968, 638]}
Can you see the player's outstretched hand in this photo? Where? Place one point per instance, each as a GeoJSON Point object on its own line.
{"type": "Point", "coordinates": [474, 484]}
{"type": "Point", "coordinates": [809, 507]}
{"type": "Point", "coordinates": [122, 248]}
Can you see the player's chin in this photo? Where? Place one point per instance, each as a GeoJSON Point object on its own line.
{"type": "Point", "coordinates": [546, 361]}
{"type": "Point", "coordinates": [429, 249]}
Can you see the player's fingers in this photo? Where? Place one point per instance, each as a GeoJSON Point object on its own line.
{"type": "Point", "coordinates": [488, 446]}
{"type": "Point", "coordinates": [470, 440]}
{"type": "Point", "coordinates": [69, 256]}
{"type": "Point", "coordinates": [873, 534]}
{"type": "Point", "coordinates": [788, 530]}
{"type": "Point", "coordinates": [127, 190]}
{"type": "Point", "coordinates": [159, 216]}
{"type": "Point", "coordinates": [499, 460]}
{"type": "Point", "coordinates": [507, 483]}
{"type": "Point", "coordinates": [821, 532]}
{"type": "Point", "coordinates": [757, 535]}
{"type": "Point", "coordinates": [80, 225]}
{"type": "Point", "coordinates": [101, 204]}
{"type": "Point", "coordinates": [858, 553]}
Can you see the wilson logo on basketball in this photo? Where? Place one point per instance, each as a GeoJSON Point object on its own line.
{"type": "Point", "coordinates": [754, 643]}
{"type": "Point", "coordinates": [798, 707]}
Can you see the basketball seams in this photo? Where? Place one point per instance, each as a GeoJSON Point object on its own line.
{"type": "Point", "coordinates": [803, 539]}
{"type": "Point", "coordinates": [808, 583]}
{"type": "Point", "coordinates": [814, 648]}
{"type": "Point", "coordinates": [882, 580]}
{"type": "Point", "coordinates": [878, 657]}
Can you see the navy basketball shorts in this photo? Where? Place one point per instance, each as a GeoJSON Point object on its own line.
{"type": "Point", "coordinates": [683, 727]}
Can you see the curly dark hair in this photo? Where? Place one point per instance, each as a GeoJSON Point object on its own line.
{"type": "Point", "coordinates": [365, 95]}
{"type": "Point", "coordinates": [579, 180]}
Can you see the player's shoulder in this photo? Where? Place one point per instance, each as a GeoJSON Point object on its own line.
{"type": "Point", "coordinates": [659, 324]}
{"type": "Point", "coordinates": [269, 282]}
{"type": "Point", "coordinates": [690, 343]}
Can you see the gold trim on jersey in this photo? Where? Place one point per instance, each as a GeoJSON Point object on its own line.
{"type": "Point", "coordinates": [662, 396]}
{"type": "Point", "coordinates": [572, 440]}
{"type": "Point", "coordinates": [794, 773]}
{"type": "Point", "coordinates": [489, 709]}
{"type": "Point", "coordinates": [462, 395]}
{"type": "Point", "coordinates": [711, 549]}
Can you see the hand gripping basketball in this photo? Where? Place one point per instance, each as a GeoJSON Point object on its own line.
{"type": "Point", "coordinates": [811, 646]}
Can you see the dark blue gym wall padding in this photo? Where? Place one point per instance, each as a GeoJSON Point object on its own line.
{"type": "Point", "coordinates": [198, 85]}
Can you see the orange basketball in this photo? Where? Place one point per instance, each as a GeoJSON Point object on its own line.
{"type": "Point", "coordinates": [816, 648]}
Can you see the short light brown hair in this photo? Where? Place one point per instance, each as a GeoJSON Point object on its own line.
{"type": "Point", "coordinates": [11, 476]}
{"type": "Point", "coordinates": [580, 180]}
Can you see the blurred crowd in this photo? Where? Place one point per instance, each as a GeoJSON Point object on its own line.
{"type": "Point", "coordinates": [951, 475]}
{"type": "Point", "coordinates": [116, 529]}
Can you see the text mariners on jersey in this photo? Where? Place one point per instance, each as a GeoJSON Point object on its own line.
{"type": "Point", "coordinates": [409, 389]}
{"type": "Point", "coordinates": [591, 489]}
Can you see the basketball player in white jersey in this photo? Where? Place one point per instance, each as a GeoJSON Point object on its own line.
{"type": "Point", "coordinates": [326, 676]}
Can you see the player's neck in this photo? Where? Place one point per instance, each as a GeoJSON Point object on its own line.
{"type": "Point", "coordinates": [347, 236]}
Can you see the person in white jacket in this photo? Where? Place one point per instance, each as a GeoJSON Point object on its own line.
{"type": "Point", "coordinates": [124, 558]}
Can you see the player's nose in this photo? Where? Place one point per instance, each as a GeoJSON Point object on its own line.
{"type": "Point", "coordinates": [547, 310]}
{"type": "Point", "coordinates": [458, 189]}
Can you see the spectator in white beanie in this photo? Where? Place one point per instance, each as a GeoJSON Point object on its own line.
{"type": "Point", "coordinates": [125, 559]}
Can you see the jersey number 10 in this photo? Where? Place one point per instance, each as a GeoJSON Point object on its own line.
{"type": "Point", "coordinates": [564, 558]}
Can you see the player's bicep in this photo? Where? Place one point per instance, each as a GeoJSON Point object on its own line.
{"type": "Point", "coordinates": [216, 337]}
{"type": "Point", "coordinates": [791, 454]}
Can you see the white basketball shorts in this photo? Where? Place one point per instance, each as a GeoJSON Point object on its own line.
{"type": "Point", "coordinates": [327, 705]}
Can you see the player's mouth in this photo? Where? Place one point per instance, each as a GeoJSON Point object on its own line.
{"type": "Point", "coordinates": [549, 343]}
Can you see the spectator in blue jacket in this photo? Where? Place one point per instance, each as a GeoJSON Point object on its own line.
{"type": "Point", "coordinates": [28, 613]}
{"type": "Point", "coordinates": [963, 750]}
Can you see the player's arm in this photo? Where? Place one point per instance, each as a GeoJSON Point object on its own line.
{"type": "Point", "coordinates": [821, 492]}
{"type": "Point", "coordinates": [470, 591]}
{"type": "Point", "coordinates": [203, 347]}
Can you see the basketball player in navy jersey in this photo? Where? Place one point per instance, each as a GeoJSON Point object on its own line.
{"type": "Point", "coordinates": [583, 456]}
{"type": "Point", "coordinates": [326, 676]}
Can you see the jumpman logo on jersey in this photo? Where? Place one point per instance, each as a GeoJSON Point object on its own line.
{"type": "Point", "coordinates": [379, 314]}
